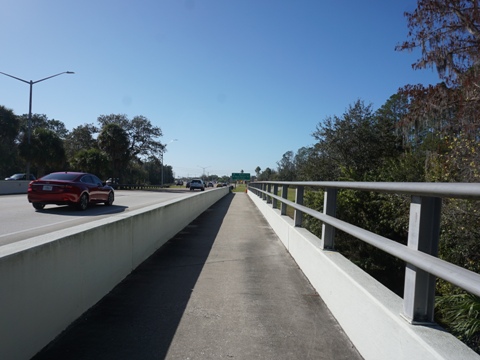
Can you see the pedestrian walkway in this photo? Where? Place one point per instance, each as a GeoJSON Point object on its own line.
{"type": "Point", "coordinates": [223, 288]}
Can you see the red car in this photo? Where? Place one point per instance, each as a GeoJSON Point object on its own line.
{"type": "Point", "coordinates": [77, 189]}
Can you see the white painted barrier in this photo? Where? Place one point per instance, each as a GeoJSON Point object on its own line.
{"type": "Point", "coordinates": [13, 187]}
{"type": "Point", "coordinates": [368, 312]}
{"type": "Point", "coordinates": [48, 281]}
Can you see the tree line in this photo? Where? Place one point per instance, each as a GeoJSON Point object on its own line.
{"type": "Point", "coordinates": [421, 133]}
{"type": "Point", "coordinates": [118, 147]}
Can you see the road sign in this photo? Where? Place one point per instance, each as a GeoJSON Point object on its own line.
{"type": "Point", "coordinates": [241, 176]}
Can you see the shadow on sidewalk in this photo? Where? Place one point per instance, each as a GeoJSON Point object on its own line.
{"type": "Point", "coordinates": [139, 317]}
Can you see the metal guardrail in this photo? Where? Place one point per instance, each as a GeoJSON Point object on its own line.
{"type": "Point", "coordinates": [420, 254]}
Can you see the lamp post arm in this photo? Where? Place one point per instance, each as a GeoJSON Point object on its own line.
{"type": "Point", "coordinates": [65, 72]}
{"type": "Point", "coordinates": [25, 81]}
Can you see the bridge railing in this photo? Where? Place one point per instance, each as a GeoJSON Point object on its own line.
{"type": "Point", "coordinates": [421, 252]}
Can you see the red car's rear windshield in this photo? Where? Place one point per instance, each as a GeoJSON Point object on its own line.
{"type": "Point", "coordinates": [60, 176]}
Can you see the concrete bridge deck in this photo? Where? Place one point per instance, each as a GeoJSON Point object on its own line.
{"type": "Point", "coordinates": [224, 288]}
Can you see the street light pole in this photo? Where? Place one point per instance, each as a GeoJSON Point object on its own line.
{"type": "Point", "coordinates": [30, 108]}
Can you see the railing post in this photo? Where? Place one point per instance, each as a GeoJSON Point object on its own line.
{"type": "Point", "coordinates": [283, 208]}
{"type": "Point", "coordinates": [298, 215]}
{"type": "Point", "coordinates": [423, 235]}
{"type": "Point", "coordinates": [275, 192]}
{"type": "Point", "coordinates": [269, 189]}
{"type": "Point", "coordinates": [329, 208]}
{"type": "Point", "coordinates": [264, 187]}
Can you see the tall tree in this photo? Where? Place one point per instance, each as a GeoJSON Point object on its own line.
{"type": "Point", "coordinates": [42, 121]}
{"type": "Point", "coordinates": [352, 146]}
{"type": "Point", "coordinates": [305, 164]}
{"type": "Point", "coordinates": [142, 135]}
{"type": "Point", "coordinates": [114, 141]}
{"type": "Point", "coordinates": [80, 138]}
{"type": "Point", "coordinates": [258, 169]}
{"type": "Point", "coordinates": [9, 129]}
{"type": "Point", "coordinates": [448, 34]}
{"type": "Point", "coordinates": [91, 160]}
{"type": "Point", "coordinates": [45, 151]}
{"type": "Point", "coordinates": [286, 167]}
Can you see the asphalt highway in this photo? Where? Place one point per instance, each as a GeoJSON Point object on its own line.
{"type": "Point", "coordinates": [19, 220]}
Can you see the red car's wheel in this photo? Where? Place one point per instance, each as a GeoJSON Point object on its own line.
{"type": "Point", "coordinates": [83, 203]}
{"type": "Point", "coordinates": [110, 199]}
{"type": "Point", "coordinates": [38, 206]}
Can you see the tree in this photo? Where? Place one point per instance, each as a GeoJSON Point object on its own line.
{"type": "Point", "coordinates": [142, 135]}
{"type": "Point", "coordinates": [42, 121]}
{"type": "Point", "coordinates": [305, 169]}
{"type": "Point", "coordinates": [353, 146]}
{"type": "Point", "coordinates": [448, 34]}
{"type": "Point", "coordinates": [267, 174]}
{"type": "Point", "coordinates": [114, 141]}
{"type": "Point", "coordinates": [45, 151]}
{"type": "Point", "coordinates": [258, 169]}
{"type": "Point", "coordinates": [286, 167]}
{"type": "Point", "coordinates": [91, 160]}
{"type": "Point", "coordinates": [80, 139]}
{"type": "Point", "coordinates": [9, 129]}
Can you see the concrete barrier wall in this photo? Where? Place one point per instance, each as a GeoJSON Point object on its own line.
{"type": "Point", "coordinates": [48, 281]}
{"type": "Point", "coordinates": [367, 311]}
{"type": "Point", "coordinates": [13, 187]}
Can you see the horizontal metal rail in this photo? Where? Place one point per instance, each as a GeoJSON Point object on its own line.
{"type": "Point", "coordinates": [442, 190]}
{"type": "Point", "coordinates": [422, 265]}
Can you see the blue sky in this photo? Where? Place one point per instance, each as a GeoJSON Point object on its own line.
{"type": "Point", "coordinates": [233, 84]}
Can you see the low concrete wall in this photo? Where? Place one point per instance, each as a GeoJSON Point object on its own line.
{"type": "Point", "coordinates": [13, 187]}
{"type": "Point", "coordinates": [367, 311]}
{"type": "Point", "coordinates": [48, 281]}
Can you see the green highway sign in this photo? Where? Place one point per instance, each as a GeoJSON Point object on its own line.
{"type": "Point", "coordinates": [241, 176]}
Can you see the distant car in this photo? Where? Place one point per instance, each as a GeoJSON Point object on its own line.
{"type": "Point", "coordinates": [20, 177]}
{"type": "Point", "coordinates": [210, 184]}
{"type": "Point", "coordinates": [113, 182]}
{"type": "Point", "coordinates": [197, 184]}
{"type": "Point", "coordinates": [77, 189]}
{"type": "Point", "coordinates": [179, 183]}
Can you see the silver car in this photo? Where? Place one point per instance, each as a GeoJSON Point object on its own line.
{"type": "Point", "coordinates": [197, 184]}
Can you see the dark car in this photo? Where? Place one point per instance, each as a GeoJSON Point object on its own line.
{"type": "Point", "coordinates": [77, 189]}
{"type": "Point", "coordinates": [20, 177]}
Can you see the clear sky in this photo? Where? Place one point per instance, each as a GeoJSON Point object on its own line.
{"type": "Point", "coordinates": [233, 84]}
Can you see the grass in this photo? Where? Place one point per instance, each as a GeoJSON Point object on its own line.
{"type": "Point", "coordinates": [239, 188]}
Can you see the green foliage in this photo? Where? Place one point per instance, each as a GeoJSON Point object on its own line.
{"type": "Point", "coordinates": [142, 135]}
{"type": "Point", "coordinates": [314, 200]}
{"type": "Point", "coordinates": [355, 145]}
{"type": "Point", "coordinates": [92, 160]}
{"type": "Point", "coordinates": [80, 138]}
{"type": "Point", "coordinates": [113, 140]}
{"type": "Point", "coordinates": [9, 129]}
{"type": "Point", "coordinates": [383, 214]}
{"type": "Point", "coordinates": [286, 167]}
{"type": "Point", "coordinates": [45, 151]}
{"type": "Point", "coordinates": [461, 314]}
{"type": "Point", "coordinates": [460, 234]}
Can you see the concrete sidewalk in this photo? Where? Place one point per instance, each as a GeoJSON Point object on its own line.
{"type": "Point", "coordinates": [223, 288]}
